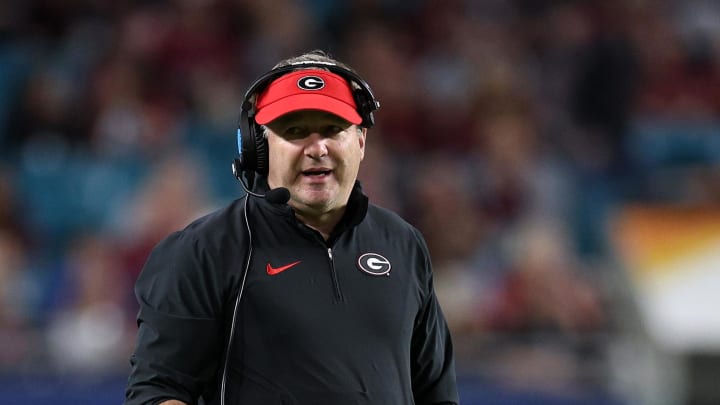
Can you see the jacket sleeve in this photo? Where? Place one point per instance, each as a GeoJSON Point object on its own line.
{"type": "Point", "coordinates": [433, 363]}
{"type": "Point", "coordinates": [180, 327]}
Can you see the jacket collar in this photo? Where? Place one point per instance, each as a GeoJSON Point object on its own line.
{"type": "Point", "coordinates": [356, 208]}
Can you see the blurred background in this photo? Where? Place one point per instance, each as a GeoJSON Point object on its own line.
{"type": "Point", "coordinates": [561, 157]}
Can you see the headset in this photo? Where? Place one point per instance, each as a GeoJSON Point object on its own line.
{"type": "Point", "coordinates": [252, 145]}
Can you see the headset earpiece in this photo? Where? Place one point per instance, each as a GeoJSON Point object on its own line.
{"type": "Point", "coordinates": [261, 150]}
{"type": "Point", "coordinates": [252, 145]}
{"type": "Point", "coordinates": [365, 108]}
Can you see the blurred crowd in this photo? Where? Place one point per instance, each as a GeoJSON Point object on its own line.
{"type": "Point", "coordinates": [508, 133]}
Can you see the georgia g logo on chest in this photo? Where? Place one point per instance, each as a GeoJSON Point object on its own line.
{"type": "Point", "coordinates": [374, 264]}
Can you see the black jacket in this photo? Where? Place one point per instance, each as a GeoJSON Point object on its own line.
{"type": "Point", "coordinates": [318, 323]}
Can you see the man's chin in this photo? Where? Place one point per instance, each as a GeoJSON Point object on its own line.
{"type": "Point", "coordinates": [315, 203]}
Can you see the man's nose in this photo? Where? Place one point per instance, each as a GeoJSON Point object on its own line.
{"type": "Point", "coordinates": [316, 146]}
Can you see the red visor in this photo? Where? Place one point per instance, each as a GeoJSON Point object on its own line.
{"type": "Point", "coordinates": [307, 89]}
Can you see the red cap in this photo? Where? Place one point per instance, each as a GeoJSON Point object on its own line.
{"type": "Point", "coordinates": [307, 89]}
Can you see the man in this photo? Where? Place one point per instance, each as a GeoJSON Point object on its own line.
{"type": "Point", "coordinates": [316, 297]}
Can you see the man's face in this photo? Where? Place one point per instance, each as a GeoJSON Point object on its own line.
{"type": "Point", "coordinates": [316, 155]}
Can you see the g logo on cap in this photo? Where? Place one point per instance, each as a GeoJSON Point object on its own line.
{"type": "Point", "coordinates": [310, 83]}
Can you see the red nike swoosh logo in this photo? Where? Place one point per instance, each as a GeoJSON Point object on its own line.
{"type": "Point", "coordinates": [277, 270]}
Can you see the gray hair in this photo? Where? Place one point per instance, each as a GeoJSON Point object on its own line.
{"type": "Point", "coordinates": [317, 56]}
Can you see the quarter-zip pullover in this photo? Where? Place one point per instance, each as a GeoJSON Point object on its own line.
{"type": "Point", "coordinates": [350, 320]}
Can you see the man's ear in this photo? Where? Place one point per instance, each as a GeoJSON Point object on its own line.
{"type": "Point", "coordinates": [362, 136]}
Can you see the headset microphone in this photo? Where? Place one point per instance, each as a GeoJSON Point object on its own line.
{"type": "Point", "coordinates": [278, 195]}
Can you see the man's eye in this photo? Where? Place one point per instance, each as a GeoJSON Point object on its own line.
{"type": "Point", "coordinates": [333, 129]}
{"type": "Point", "coordinates": [295, 131]}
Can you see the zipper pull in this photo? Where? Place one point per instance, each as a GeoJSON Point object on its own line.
{"type": "Point", "coordinates": [330, 253]}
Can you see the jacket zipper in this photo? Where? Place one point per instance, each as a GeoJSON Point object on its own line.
{"type": "Point", "coordinates": [333, 275]}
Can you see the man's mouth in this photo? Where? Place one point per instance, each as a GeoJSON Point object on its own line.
{"type": "Point", "coordinates": [322, 172]}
